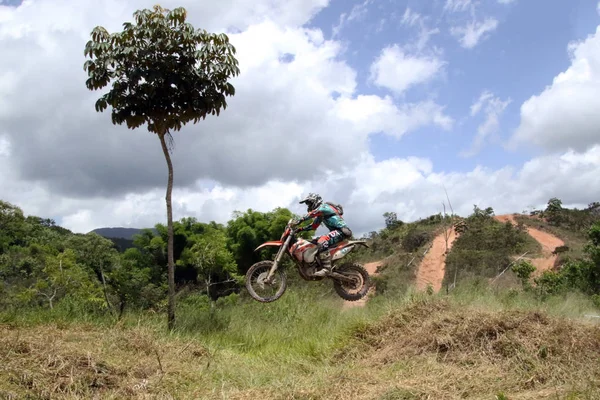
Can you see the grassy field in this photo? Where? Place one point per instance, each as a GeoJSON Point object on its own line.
{"type": "Point", "coordinates": [474, 344]}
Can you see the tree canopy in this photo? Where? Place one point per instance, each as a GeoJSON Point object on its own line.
{"type": "Point", "coordinates": [164, 72]}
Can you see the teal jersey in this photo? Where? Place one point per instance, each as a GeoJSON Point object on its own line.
{"type": "Point", "coordinates": [327, 215]}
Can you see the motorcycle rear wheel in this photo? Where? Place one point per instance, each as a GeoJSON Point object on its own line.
{"type": "Point", "coordinates": [256, 276]}
{"type": "Point", "coordinates": [362, 282]}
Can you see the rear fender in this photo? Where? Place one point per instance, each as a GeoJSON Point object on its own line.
{"type": "Point", "coordinates": [276, 243]}
{"type": "Point", "coordinates": [359, 242]}
{"type": "Point", "coordinates": [342, 252]}
{"type": "Point", "coordinates": [348, 248]}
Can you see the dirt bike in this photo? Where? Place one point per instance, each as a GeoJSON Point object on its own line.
{"type": "Point", "coordinates": [268, 275]}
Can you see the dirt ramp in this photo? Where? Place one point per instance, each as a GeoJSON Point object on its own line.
{"type": "Point", "coordinates": [548, 241]}
{"type": "Point", "coordinates": [432, 267]}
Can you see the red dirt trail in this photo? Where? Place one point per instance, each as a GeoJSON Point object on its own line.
{"type": "Point", "coordinates": [432, 267]}
{"type": "Point", "coordinates": [371, 269]}
{"type": "Point", "coordinates": [548, 241]}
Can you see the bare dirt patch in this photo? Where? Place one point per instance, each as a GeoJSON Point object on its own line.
{"type": "Point", "coordinates": [432, 267]}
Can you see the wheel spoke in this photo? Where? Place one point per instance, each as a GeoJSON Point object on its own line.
{"type": "Point", "coordinates": [262, 289]}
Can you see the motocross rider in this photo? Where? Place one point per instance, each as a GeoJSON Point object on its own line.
{"type": "Point", "coordinates": [328, 214]}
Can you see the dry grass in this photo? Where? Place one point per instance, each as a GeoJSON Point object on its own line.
{"type": "Point", "coordinates": [47, 362]}
{"type": "Point", "coordinates": [428, 349]}
{"type": "Point", "coordinates": [434, 349]}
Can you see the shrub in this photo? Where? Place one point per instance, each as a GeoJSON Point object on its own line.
{"type": "Point", "coordinates": [414, 239]}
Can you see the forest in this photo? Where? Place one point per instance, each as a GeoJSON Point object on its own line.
{"type": "Point", "coordinates": [43, 264]}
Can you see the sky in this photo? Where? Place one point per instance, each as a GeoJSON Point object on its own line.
{"type": "Point", "coordinates": [379, 105]}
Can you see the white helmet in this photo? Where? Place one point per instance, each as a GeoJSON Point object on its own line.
{"type": "Point", "coordinates": [313, 201]}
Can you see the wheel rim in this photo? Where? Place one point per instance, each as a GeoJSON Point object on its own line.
{"type": "Point", "coordinates": [261, 287]}
{"type": "Point", "coordinates": [357, 282]}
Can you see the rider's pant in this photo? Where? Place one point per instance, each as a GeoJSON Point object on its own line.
{"type": "Point", "coordinates": [334, 237]}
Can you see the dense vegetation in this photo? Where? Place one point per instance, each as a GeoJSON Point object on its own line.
{"type": "Point", "coordinates": [42, 264]}
{"type": "Point", "coordinates": [579, 269]}
{"type": "Point", "coordinates": [486, 247]}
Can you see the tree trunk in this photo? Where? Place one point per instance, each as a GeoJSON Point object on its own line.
{"type": "Point", "coordinates": [170, 258]}
{"type": "Point", "coordinates": [110, 308]}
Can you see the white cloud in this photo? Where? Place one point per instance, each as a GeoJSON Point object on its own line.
{"type": "Point", "coordinates": [473, 32]}
{"type": "Point", "coordinates": [398, 71]}
{"type": "Point", "coordinates": [4, 146]}
{"type": "Point", "coordinates": [294, 126]}
{"type": "Point", "coordinates": [412, 18]}
{"type": "Point", "coordinates": [369, 112]}
{"type": "Point", "coordinates": [457, 5]}
{"type": "Point", "coordinates": [357, 12]}
{"type": "Point", "coordinates": [409, 186]}
{"type": "Point", "coordinates": [494, 107]}
{"type": "Point", "coordinates": [565, 115]}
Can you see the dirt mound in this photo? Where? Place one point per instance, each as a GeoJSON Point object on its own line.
{"type": "Point", "coordinates": [548, 242]}
{"type": "Point", "coordinates": [432, 267]}
{"type": "Point", "coordinates": [510, 350]}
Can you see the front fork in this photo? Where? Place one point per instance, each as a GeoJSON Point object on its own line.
{"type": "Point", "coordinates": [282, 250]}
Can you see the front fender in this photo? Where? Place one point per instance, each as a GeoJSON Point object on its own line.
{"type": "Point", "coordinates": [273, 243]}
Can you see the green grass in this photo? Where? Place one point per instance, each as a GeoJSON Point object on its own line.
{"type": "Point", "coordinates": [477, 293]}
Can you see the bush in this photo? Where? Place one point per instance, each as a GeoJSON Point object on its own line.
{"type": "Point", "coordinates": [414, 239]}
{"type": "Point", "coordinates": [523, 269]}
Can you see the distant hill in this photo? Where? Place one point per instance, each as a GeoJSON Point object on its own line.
{"type": "Point", "coordinates": [121, 237]}
{"type": "Point", "coordinates": [117, 233]}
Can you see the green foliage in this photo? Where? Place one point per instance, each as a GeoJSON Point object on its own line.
{"type": "Point", "coordinates": [12, 225]}
{"type": "Point", "coordinates": [392, 221]}
{"type": "Point", "coordinates": [247, 230]}
{"type": "Point", "coordinates": [415, 238]}
{"type": "Point", "coordinates": [581, 275]}
{"type": "Point", "coordinates": [482, 214]}
{"type": "Point", "coordinates": [523, 269]}
{"type": "Point", "coordinates": [485, 246]}
{"type": "Point", "coordinates": [43, 265]}
{"type": "Point", "coordinates": [572, 219]}
{"type": "Point", "coordinates": [164, 71]}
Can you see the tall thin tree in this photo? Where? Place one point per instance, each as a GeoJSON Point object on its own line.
{"type": "Point", "coordinates": [164, 73]}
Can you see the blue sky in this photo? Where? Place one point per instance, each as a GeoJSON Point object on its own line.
{"type": "Point", "coordinates": [516, 60]}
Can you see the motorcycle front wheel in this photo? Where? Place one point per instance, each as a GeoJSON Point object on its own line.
{"type": "Point", "coordinates": [269, 291]}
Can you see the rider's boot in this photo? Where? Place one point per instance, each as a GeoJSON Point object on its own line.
{"type": "Point", "coordinates": [325, 258]}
